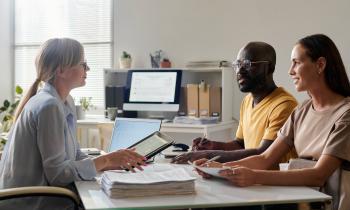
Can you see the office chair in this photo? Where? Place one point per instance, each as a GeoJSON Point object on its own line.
{"type": "Point", "coordinates": [20, 192]}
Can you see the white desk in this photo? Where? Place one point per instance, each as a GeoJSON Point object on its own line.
{"type": "Point", "coordinates": [209, 193]}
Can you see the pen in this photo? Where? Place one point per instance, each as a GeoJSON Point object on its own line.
{"type": "Point", "coordinates": [212, 159]}
{"type": "Point", "coordinates": [208, 161]}
{"type": "Point", "coordinates": [201, 142]}
{"type": "Point", "coordinates": [203, 138]}
{"type": "Point", "coordinates": [197, 142]}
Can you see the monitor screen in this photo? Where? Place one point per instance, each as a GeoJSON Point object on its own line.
{"type": "Point", "coordinates": [152, 87]}
{"type": "Point", "coordinates": [153, 90]}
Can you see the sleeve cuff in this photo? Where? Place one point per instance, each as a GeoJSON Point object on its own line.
{"type": "Point", "coordinates": [86, 169]}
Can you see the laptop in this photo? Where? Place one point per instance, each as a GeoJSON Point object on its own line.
{"type": "Point", "coordinates": [128, 131]}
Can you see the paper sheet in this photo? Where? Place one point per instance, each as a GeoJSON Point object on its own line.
{"type": "Point", "coordinates": [211, 171]}
{"type": "Point", "coordinates": [154, 173]}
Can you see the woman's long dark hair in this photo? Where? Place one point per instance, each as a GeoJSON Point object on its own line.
{"type": "Point", "coordinates": [320, 45]}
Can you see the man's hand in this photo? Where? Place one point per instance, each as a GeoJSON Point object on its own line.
{"type": "Point", "coordinates": [206, 144]}
{"type": "Point", "coordinates": [190, 156]}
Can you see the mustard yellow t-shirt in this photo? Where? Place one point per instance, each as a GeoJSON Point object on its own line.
{"type": "Point", "coordinates": [265, 119]}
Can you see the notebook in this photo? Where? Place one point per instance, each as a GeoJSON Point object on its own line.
{"type": "Point", "coordinates": [128, 131]}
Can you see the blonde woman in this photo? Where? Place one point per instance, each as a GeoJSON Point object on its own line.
{"type": "Point", "coordinates": [42, 148]}
{"type": "Point", "coordinates": [319, 128]}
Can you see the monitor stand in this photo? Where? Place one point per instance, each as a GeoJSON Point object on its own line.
{"type": "Point", "coordinates": [165, 116]}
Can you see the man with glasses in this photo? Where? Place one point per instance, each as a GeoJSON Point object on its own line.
{"type": "Point", "coordinates": [263, 111]}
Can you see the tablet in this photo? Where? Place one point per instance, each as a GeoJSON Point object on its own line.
{"type": "Point", "coordinates": [153, 144]}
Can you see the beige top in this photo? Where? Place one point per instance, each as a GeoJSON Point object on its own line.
{"type": "Point", "coordinates": [314, 133]}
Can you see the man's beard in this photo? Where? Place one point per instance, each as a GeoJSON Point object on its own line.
{"type": "Point", "coordinates": [250, 84]}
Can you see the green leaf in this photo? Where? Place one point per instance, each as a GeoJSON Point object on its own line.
{"type": "Point", "coordinates": [6, 103]}
{"type": "Point", "coordinates": [7, 118]}
{"type": "Point", "coordinates": [14, 105]}
{"type": "Point", "coordinates": [19, 90]}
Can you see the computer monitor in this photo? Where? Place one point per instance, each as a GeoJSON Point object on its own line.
{"type": "Point", "coordinates": [153, 90]}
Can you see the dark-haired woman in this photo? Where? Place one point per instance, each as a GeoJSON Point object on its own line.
{"type": "Point", "coordinates": [319, 128]}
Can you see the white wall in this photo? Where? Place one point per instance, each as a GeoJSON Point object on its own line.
{"type": "Point", "coordinates": [208, 29]}
{"type": "Point", "coordinates": [6, 38]}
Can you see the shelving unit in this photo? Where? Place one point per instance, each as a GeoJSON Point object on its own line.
{"type": "Point", "coordinates": [97, 132]}
{"type": "Point", "coordinates": [222, 77]}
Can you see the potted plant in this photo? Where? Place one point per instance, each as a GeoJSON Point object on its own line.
{"type": "Point", "coordinates": [7, 111]}
{"type": "Point", "coordinates": [125, 60]}
{"type": "Point", "coordinates": [165, 63]}
{"type": "Point", "coordinates": [85, 105]}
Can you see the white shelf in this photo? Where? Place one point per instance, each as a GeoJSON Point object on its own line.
{"type": "Point", "coordinates": [194, 69]}
{"type": "Point", "coordinates": [220, 76]}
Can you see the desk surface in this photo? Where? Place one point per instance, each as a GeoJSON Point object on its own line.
{"type": "Point", "coordinates": [209, 193]}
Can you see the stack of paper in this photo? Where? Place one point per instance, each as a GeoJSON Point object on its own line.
{"type": "Point", "coordinates": [152, 181]}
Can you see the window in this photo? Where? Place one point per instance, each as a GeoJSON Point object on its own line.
{"type": "Point", "coordinates": [88, 21]}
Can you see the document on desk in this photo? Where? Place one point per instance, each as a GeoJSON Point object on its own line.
{"type": "Point", "coordinates": [154, 180]}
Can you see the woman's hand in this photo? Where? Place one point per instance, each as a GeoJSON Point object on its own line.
{"type": "Point", "coordinates": [121, 159]}
{"type": "Point", "coordinates": [204, 163]}
{"type": "Point", "coordinates": [239, 176]}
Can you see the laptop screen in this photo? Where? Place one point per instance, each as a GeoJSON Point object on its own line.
{"type": "Point", "coordinates": [128, 131]}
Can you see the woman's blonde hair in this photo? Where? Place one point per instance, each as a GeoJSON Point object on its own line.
{"type": "Point", "coordinates": [53, 55]}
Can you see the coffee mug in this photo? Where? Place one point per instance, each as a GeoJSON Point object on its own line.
{"type": "Point", "coordinates": [112, 112]}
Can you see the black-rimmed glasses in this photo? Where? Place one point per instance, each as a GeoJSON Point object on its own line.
{"type": "Point", "coordinates": [246, 64]}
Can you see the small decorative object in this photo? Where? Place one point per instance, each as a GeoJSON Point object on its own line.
{"type": "Point", "coordinates": [85, 105]}
{"type": "Point", "coordinates": [112, 112]}
{"type": "Point", "coordinates": [125, 60]}
{"type": "Point", "coordinates": [155, 58]}
{"type": "Point", "coordinates": [7, 115]}
{"type": "Point", "coordinates": [165, 63]}
{"type": "Point", "coordinates": [159, 60]}
{"type": "Point", "coordinates": [80, 112]}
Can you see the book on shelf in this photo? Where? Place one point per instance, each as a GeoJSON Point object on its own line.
{"type": "Point", "coordinates": [207, 64]}
{"type": "Point", "coordinates": [156, 179]}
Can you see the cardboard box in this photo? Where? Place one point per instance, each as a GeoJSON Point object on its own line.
{"type": "Point", "coordinates": [209, 101]}
{"type": "Point", "coordinates": [215, 101]}
{"type": "Point", "coordinates": [204, 100]}
{"type": "Point", "coordinates": [192, 100]}
{"type": "Point", "coordinates": [183, 102]}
